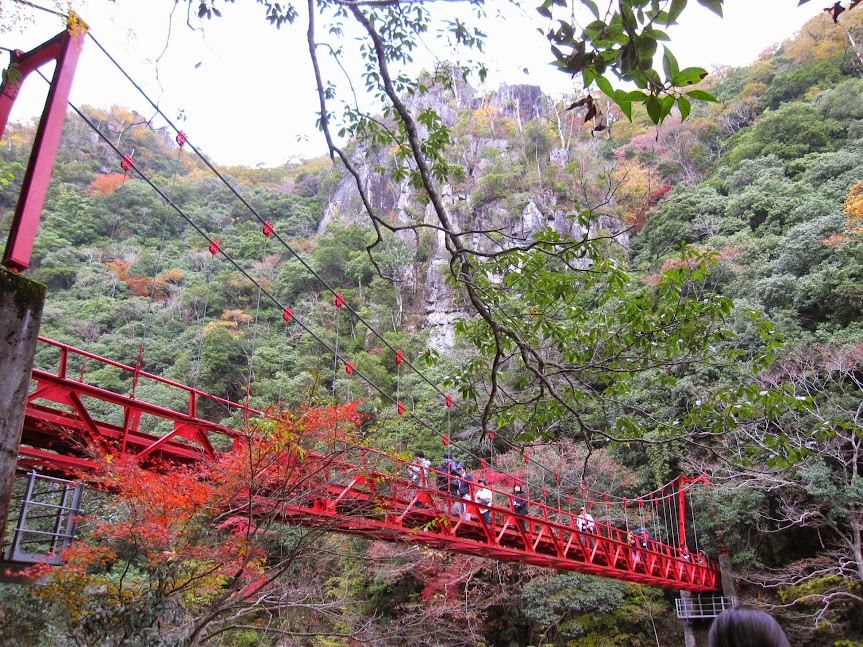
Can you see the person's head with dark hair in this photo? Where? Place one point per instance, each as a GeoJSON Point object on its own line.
{"type": "Point", "coordinates": [420, 453]}
{"type": "Point", "coordinates": [746, 628]}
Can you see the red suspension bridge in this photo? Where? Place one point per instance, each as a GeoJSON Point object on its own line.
{"type": "Point", "coordinates": [350, 488]}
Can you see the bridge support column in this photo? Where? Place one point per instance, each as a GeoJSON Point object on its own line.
{"type": "Point", "coordinates": [729, 588]}
{"type": "Point", "coordinates": [21, 301]}
{"type": "Point", "coordinates": [689, 636]}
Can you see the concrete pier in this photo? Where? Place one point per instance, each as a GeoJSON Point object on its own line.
{"type": "Point", "coordinates": [21, 302]}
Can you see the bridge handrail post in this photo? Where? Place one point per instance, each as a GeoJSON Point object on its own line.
{"type": "Point", "coordinates": [64, 362]}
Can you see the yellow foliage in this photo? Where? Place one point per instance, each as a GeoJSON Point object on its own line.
{"type": "Point", "coordinates": [230, 326]}
{"type": "Point", "coordinates": [817, 586]}
{"type": "Point", "coordinates": [854, 204]}
{"type": "Point", "coordinates": [173, 276]}
{"type": "Point", "coordinates": [753, 90]}
{"type": "Point", "coordinates": [816, 40]}
{"type": "Point", "coordinates": [637, 181]}
{"type": "Point", "coordinates": [237, 316]}
{"type": "Point", "coordinates": [76, 26]}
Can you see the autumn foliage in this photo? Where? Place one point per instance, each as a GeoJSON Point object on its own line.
{"type": "Point", "coordinates": [854, 211]}
{"type": "Point", "coordinates": [107, 183]}
{"type": "Point", "coordinates": [854, 204]}
{"type": "Point", "coordinates": [172, 543]}
{"type": "Point", "coordinates": [146, 286]}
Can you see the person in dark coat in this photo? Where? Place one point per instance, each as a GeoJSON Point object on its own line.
{"type": "Point", "coordinates": [461, 487]}
{"type": "Point", "coordinates": [446, 469]}
{"type": "Point", "coordinates": [520, 504]}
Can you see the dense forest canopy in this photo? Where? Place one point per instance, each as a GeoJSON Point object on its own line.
{"type": "Point", "coordinates": [653, 300]}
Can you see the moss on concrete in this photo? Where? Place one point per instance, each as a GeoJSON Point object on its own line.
{"type": "Point", "coordinates": [29, 295]}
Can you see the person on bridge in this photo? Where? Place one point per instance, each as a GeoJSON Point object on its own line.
{"type": "Point", "coordinates": [740, 627]}
{"type": "Point", "coordinates": [461, 487]}
{"type": "Point", "coordinates": [483, 497]}
{"type": "Point", "coordinates": [446, 470]}
{"type": "Point", "coordinates": [630, 540]}
{"type": "Point", "coordinates": [520, 505]}
{"type": "Point", "coordinates": [584, 521]}
{"type": "Point", "coordinates": [643, 537]}
{"type": "Point", "coordinates": [418, 471]}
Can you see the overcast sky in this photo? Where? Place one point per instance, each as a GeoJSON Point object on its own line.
{"type": "Point", "coordinates": [246, 90]}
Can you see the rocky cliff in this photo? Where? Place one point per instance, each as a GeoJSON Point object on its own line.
{"type": "Point", "coordinates": [504, 143]}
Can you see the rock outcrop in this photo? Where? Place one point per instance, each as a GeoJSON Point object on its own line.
{"type": "Point", "coordinates": [510, 219]}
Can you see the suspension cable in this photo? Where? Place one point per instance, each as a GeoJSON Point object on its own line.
{"type": "Point", "coordinates": [694, 526]}
{"type": "Point", "coordinates": [196, 369]}
{"type": "Point", "coordinates": [246, 274]}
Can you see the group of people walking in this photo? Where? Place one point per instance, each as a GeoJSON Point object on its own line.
{"type": "Point", "coordinates": [734, 627]}
{"type": "Point", "coordinates": [452, 477]}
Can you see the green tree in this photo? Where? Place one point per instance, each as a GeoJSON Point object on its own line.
{"type": "Point", "coordinates": [340, 256]}
{"type": "Point", "coordinates": [811, 465]}
{"type": "Point", "coordinates": [790, 133]}
{"type": "Point", "coordinates": [224, 365]}
{"type": "Point", "coordinates": [566, 602]}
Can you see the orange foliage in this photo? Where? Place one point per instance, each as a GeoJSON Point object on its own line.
{"type": "Point", "coordinates": [487, 121]}
{"type": "Point", "coordinates": [731, 252]}
{"type": "Point", "coordinates": [637, 183]}
{"type": "Point", "coordinates": [142, 286]}
{"type": "Point", "coordinates": [301, 245]}
{"type": "Point", "coordinates": [119, 269]}
{"type": "Point", "coordinates": [185, 547]}
{"type": "Point", "coordinates": [237, 316]}
{"type": "Point", "coordinates": [106, 183]}
{"type": "Point", "coordinates": [173, 276]}
{"type": "Point", "coordinates": [854, 211]}
{"type": "Point", "coordinates": [693, 261]}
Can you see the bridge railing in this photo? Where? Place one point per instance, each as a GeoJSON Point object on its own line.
{"type": "Point", "coordinates": [392, 474]}
{"type": "Point", "coordinates": [701, 606]}
{"type": "Point", "coordinates": [364, 491]}
{"type": "Point", "coordinates": [191, 395]}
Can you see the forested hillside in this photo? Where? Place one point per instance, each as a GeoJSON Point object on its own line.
{"type": "Point", "coordinates": [751, 210]}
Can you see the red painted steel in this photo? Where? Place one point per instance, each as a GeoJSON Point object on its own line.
{"type": "Point", "coordinates": [64, 48]}
{"type": "Point", "coordinates": [345, 488]}
{"type": "Point", "coordinates": [59, 425]}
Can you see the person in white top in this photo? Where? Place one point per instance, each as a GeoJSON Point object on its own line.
{"type": "Point", "coordinates": [483, 497]}
{"type": "Point", "coordinates": [584, 521]}
{"type": "Point", "coordinates": [418, 471]}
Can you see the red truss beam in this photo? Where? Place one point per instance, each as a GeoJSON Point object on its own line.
{"type": "Point", "coordinates": [61, 422]}
{"type": "Point", "coordinates": [350, 489]}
